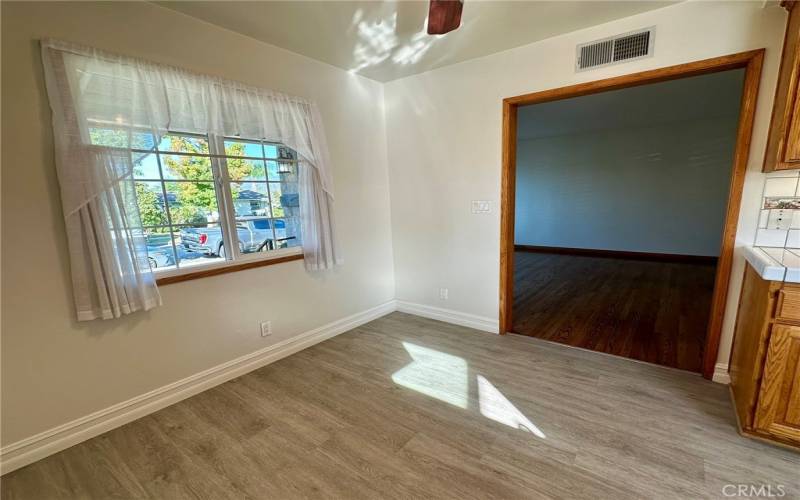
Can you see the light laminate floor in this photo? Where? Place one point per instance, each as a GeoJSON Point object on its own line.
{"type": "Point", "coordinates": [406, 407]}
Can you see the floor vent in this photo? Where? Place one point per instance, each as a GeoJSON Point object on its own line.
{"type": "Point", "coordinates": [615, 49]}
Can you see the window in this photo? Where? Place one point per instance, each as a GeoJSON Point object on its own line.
{"type": "Point", "coordinates": [210, 201]}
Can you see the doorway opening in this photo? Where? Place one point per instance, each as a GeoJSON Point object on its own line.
{"type": "Point", "coordinates": [619, 205]}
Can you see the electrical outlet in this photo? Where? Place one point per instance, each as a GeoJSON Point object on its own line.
{"type": "Point", "coordinates": [266, 328]}
{"type": "Point", "coordinates": [443, 293]}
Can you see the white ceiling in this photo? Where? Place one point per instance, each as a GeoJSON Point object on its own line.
{"type": "Point", "coordinates": [388, 40]}
{"type": "Point", "coordinates": [709, 96]}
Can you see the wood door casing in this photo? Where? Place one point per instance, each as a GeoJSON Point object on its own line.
{"type": "Point", "coordinates": [752, 62]}
{"type": "Point", "coordinates": [778, 409]}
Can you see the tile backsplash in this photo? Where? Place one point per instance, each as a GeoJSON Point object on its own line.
{"type": "Point", "coordinates": [779, 221]}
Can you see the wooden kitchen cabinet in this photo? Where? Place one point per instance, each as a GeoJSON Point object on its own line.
{"type": "Point", "coordinates": [765, 360]}
{"type": "Point", "coordinates": [783, 142]}
{"type": "Point", "coordinates": [778, 411]}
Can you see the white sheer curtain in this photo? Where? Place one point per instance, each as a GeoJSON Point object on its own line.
{"type": "Point", "coordinates": [108, 259]}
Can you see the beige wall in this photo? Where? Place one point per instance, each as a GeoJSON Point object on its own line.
{"type": "Point", "coordinates": [54, 369]}
{"type": "Point", "coordinates": [444, 130]}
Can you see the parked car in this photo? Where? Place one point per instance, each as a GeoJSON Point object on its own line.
{"type": "Point", "coordinates": [159, 250]}
{"type": "Point", "coordinates": [254, 235]}
{"type": "Point", "coordinates": [160, 254]}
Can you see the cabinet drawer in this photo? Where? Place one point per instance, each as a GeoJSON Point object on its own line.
{"type": "Point", "coordinates": [788, 308]}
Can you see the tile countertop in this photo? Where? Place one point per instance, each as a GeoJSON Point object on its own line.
{"type": "Point", "coordinates": [775, 264]}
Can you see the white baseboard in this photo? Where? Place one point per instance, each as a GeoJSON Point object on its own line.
{"type": "Point", "coordinates": [36, 447]}
{"type": "Point", "coordinates": [450, 316]}
{"type": "Point", "coordinates": [721, 374]}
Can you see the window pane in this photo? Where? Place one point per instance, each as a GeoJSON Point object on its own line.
{"type": "Point", "coordinates": [282, 171]}
{"type": "Point", "coordinates": [250, 199]}
{"type": "Point", "coordinates": [270, 150]}
{"type": "Point", "coordinates": [255, 234]}
{"type": "Point", "coordinates": [243, 148]}
{"type": "Point", "coordinates": [183, 143]}
{"type": "Point", "coordinates": [246, 170]}
{"type": "Point", "coordinates": [108, 137]}
{"type": "Point", "coordinates": [143, 140]}
{"type": "Point", "coordinates": [121, 138]}
{"type": "Point", "coordinates": [287, 232]}
{"type": "Point", "coordinates": [260, 189]}
{"type": "Point", "coordinates": [275, 194]}
{"type": "Point", "coordinates": [285, 200]}
{"type": "Point", "coordinates": [192, 203]}
{"type": "Point", "coordinates": [145, 166]}
{"type": "Point", "coordinates": [198, 245]}
{"type": "Point", "coordinates": [150, 199]}
{"type": "Point", "coordinates": [160, 253]}
{"type": "Point", "coordinates": [190, 168]}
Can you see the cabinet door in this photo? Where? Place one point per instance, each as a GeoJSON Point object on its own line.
{"type": "Point", "coordinates": [778, 408]}
{"type": "Point", "coordinates": [783, 141]}
{"type": "Point", "coordinates": [792, 154]}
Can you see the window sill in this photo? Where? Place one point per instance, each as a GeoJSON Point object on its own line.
{"type": "Point", "coordinates": [227, 268]}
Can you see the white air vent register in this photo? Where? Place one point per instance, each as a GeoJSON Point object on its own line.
{"type": "Point", "coordinates": [616, 49]}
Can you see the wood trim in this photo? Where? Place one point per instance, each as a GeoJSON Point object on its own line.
{"type": "Point", "coordinates": [696, 68]}
{"type": "Point", "coordinates": [507, 204]}
{"type": "Point", "coordinates": [620, 254]}
{"type": "Point", "coordinates": [752, 61]}
{"type": "Point", "coordinates": [744, 136]}
{"type": "Point", "coordinates": [204, 273]}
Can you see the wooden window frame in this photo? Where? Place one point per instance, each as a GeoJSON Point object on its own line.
{"type": "Point", "coordinates": [751, 62]}
{"type": "Point", "coordinates": [207, 271]}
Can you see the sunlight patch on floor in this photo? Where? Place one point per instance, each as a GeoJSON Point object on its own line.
{"type": "Point", "coordinates": [446, 378]}
{"type": "Point", "coordinates": [435, 374]}
{"type": "Point", "coordinates": [497, 407]}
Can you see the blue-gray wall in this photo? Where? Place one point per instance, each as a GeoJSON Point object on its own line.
{"type": "Point", "coordinates": [643, 169]}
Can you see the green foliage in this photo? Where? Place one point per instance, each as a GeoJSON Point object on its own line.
{"type": "Point", "coordinates": [197, 199]}
{"type": "Point", "coordinates": [120, 138]}
{"type": "Point", "coordinates": [149, 207]}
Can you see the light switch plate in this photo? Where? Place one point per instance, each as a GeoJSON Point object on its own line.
{"type": "Point", "coordinates": [481, 206]}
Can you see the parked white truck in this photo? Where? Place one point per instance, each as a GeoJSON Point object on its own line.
{"type": "Point", "coordinates": [254, 235]}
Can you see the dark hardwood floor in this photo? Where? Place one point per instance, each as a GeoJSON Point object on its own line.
{"type": "Point", "coordinates": [646, 310]}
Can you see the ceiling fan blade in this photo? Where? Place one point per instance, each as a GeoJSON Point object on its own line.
{"type": "Point", "coordinates": [444, 16]}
